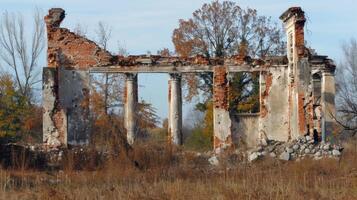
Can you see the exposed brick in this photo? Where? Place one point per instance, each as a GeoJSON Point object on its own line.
{"type": "Point", "coordinates": [300, 39]}
{"type": "Point", "coordinates": [66, 49]}
{"type": "Point", "coordinates": [265, 94]}
{"type": "Point", "coordinates": [301, 113]}
{"type": "Point", "coordinates": [220, 87]}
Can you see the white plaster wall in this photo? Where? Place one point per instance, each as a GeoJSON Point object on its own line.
{"type": "Point", "coordinates": [275, 123]}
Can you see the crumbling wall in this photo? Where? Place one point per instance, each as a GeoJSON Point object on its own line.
{"type": "Point", "coordinates": [74, 97]}
{"type": "Point", "coordinates": [54, 117]}
{"type": "Point", "coordinates": [66, 49]}
{"type": "Point", "coordinates": [286, 87]}
{"type": "Point", "coordinates": [66, 82]}
{"type": "Point", "coordinates": [304, 89]}
{"type": "Point", "coordinates": [273, 121]}
{"type": "Point", "coordinates": [221, 117]}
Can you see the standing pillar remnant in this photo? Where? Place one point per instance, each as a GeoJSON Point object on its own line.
{"type": "Point", "coordinates": [328, 103]}
{"type": "Point", "coordinates": [175, 109]}
{"type": "Point", "coordinates": [294, 22]}
{"type": "Point", "coordinates": [221, 118]}
{"type": "Point", "coordinates": [131, 100]}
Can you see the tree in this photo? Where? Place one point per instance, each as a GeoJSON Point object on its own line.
{"type": "Point", "coordinates": [109, 85]}
{"type": "Point", "coordinates": [164, 52]}
{"type": "Point", "coordinates": [244, 93]}
{"type": "Point", "coordinates": [21, 53]}
{"type": "Point", "coordinates": [346, 76]}
{"type": "Point", "coordinates": [80, 29]}
{"type": "Point", "coordinates": [147, 117]}
{"type": "Point", "coordinates": [14, 110]}
{"type": "Point", "coordinates": [221, 29]}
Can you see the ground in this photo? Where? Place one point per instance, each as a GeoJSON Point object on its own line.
{"type": "Point", "coordinates": [161, 172]}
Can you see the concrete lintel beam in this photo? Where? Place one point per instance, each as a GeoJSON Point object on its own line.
{"type": "Point", "coordinates": [172, 69]}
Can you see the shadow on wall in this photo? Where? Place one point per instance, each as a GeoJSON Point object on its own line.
{"type": "Point", "coordinates": [245, 129]}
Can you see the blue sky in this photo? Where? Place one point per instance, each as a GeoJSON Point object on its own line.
{"type": "Point", "coordinates": [147, 25]}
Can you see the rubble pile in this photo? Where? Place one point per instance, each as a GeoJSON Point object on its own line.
{"type": "Point", "coordinates": [304, 146]}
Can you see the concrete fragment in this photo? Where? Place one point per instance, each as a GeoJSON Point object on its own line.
{"type": "Point", "coordinates": [327, 147]}
{"type": "Point", "coordinates": [317, 154]}
{"type": "Point", "coordinates": [296, 147]}
{"type": "Point", "coordinates": [308, 138]}
{"type": "Point", "coordinates": [253, 156]}
{"type": "Point", "coordinates": [336, 152]}
{"type": "Point", "coordinates": [213, 161]}
{"type": "Point", "coordinates": [289, 150]}
{"type": "Point", "coordinates": [284, 156]}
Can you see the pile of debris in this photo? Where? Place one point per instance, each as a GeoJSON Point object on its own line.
{"type": "Point", "coordinates": [304, 146]}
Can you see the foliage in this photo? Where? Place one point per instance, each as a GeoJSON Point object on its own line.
{"type": "Point", "coordinates": [107, 126]}
{"type": "Point", "coordinates": [16, 115]}
{"type": "Point", "coordinates": [201, 137]}
{"type": "Point", "coordinates": [221, 29]}
{"type": "Point", "coordinates": [198, 140]}
{"type": "Point", "coordinates": [164, 52]}
{"type": "Point", "coordinates": [244, 93]}
{"type": "Point", "coordinates": [147, 117]}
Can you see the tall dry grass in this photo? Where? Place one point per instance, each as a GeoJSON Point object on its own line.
{"type": "Point", "coordinates": [154, 171]}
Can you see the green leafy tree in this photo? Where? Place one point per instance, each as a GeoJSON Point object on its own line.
{"type": "Point", "coordinates": [14, 109]}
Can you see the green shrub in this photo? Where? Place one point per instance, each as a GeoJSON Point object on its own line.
{"type": "Point", "coordinates": [198, 140]}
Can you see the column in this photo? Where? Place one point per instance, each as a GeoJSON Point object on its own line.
{"type": "Point", "coordinates": [175, 109]}
{"type": "Point", "coordinates": [328, 103]}
{"type": "Point", "coordinates": [221, 119]}
{"type": "Point", "coordinates": [131, 100]}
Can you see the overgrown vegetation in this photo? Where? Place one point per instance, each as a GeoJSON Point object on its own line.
{"type": "Point", "coordinates": [159, 173]}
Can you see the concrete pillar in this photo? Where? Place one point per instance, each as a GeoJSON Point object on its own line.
{"type": "Point", "coordinates": [175, 109]}
{"type": "Point", "coordinates": [131, 100]}
{"type": "Point", "coordinates": [294, 22]}
{"type": "Point", "coordinates": [54, 115]}
{"type": "Point", "coordinates": [328, 103]}
{"type": "Point", "coordinates": [221, 118]}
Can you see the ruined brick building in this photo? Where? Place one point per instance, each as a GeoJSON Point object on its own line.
{"type": "Point", "coordinates": [296, 91]}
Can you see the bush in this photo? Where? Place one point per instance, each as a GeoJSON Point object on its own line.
{"type": "Point", "coordinates": [198, 140]}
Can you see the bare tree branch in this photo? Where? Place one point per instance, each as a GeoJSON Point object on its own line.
{"type": "Point", "coordinates": [19, 52]}
{"type": "Point", "coordinates": [346, 97]}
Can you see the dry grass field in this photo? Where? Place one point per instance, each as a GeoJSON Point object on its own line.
{"type": "Point", "coordinates": [159, 173]}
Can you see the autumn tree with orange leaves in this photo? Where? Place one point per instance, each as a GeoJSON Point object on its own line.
{"type": "Point", "coordinates": [221, 29]}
